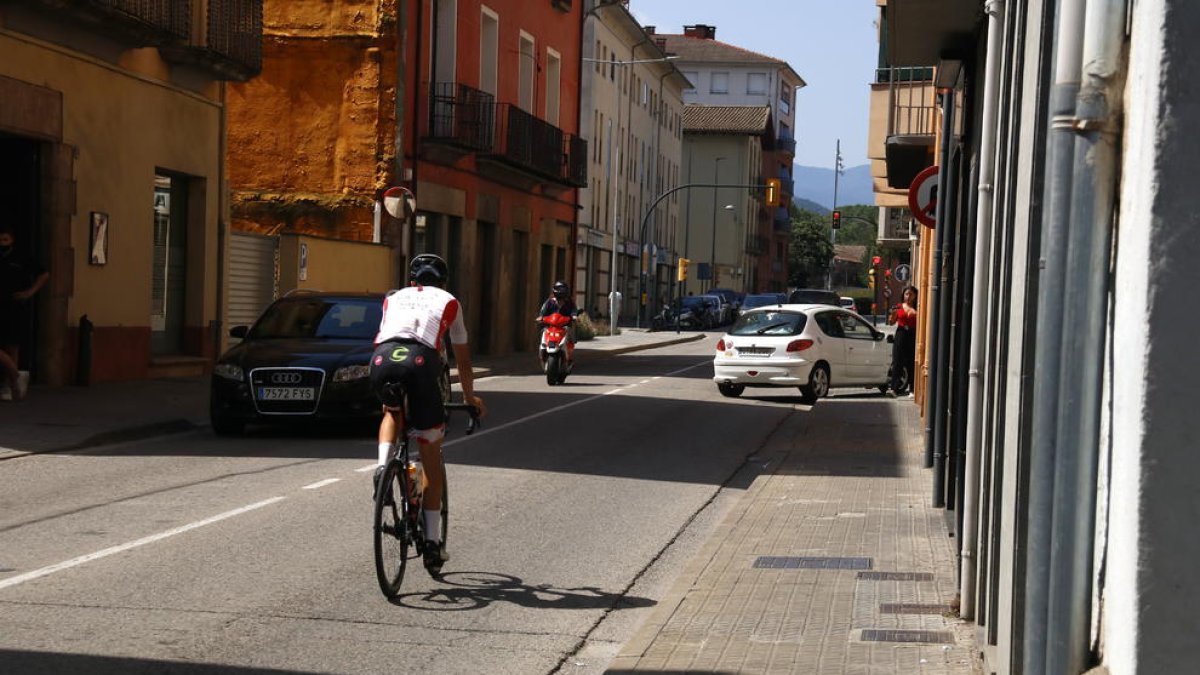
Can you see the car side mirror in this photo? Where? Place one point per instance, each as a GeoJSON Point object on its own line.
{"type": "Point", "coordinates": [239, 332]}
{"type": "Point", "coordinates": [877, 335]}
{"type": "Point", "coordinates": [891, 339]}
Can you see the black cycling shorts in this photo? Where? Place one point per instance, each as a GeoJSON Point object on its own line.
{"type": "Point", "coordinates": [418, 371]}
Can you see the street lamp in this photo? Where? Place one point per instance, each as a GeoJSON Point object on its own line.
{"type": "Point", "coordinates": [712, 258]}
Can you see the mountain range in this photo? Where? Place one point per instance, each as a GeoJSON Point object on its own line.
{"type": "Point", "coordinates": [814, 185]}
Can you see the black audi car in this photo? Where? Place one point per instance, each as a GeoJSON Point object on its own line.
{"type": "Point", "coordinates": [307, 357]}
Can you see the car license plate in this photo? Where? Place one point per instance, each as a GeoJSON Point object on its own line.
{"type": "Point", "coordinates": [755, 351]}
{"type": "Point", "coordinates": [286, 393]}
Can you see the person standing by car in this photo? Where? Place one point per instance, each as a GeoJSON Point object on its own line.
{"type": "Point", "coordinates": [904, 317]}
{"type": "Point", "coordinates": [20, 279]}
{"type": "Point", "coordinates": [406, 374]}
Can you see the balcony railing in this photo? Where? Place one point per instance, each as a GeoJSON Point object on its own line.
{"type": "Point", "coordinates": [144, 23]}
{"type": "Point", "coordinates": [539, 147]}
{"type": "Point", "coordinates": [756, 245]}
{"type": "Point", "coordinates": [231, 45]}
{"type": "Point", "coordinates": [783, 220]}
{"type": "Point", "coordinates": [462, 115]}
{"type": "Point", "coordinates": [786, 145]}
{"type": "Point", "coordinates": [905, 74]}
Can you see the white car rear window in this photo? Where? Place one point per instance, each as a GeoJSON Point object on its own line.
{"type": "Point", "coordinates": [769, 323]}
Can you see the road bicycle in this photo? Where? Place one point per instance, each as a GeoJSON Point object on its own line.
{"type": "Point", "coordinates": [399, 527]}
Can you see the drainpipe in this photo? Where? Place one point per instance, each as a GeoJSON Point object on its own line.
{"type": "Point", "coordinates": [1086, 304]}
{"type": "Point", "coordinates": [1068, 38]}
{"type": "Point", "coordinates": [980, 316]}
{"type": "Point", "coordinates": [936, 338]}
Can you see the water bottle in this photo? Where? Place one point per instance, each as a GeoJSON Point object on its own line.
{"type": "Point", "coordinates": [416, 476]}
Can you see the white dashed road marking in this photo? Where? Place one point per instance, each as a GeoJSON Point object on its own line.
{"type": "Point", "coordinates": [321, 483]}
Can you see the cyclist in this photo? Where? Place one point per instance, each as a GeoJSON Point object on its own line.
{"type": "Point", "coordinates": [409, 357]}
{"type": "Point", "coordinates": [560, 302]}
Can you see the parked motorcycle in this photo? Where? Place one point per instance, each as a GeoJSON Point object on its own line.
{"type": "Point", "coordinates": [664, 320]}
{"type": "Point", "coordinates": [556, 352]}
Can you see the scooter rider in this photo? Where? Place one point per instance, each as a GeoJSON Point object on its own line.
{"type": "Point", "coordinates": [560, 302]}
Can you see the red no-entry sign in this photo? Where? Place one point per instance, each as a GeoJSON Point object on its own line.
{"type": "Point", "coordinates": [923, 196]}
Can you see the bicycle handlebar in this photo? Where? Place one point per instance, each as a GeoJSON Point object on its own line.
{"type": "Point", "coordinates": [473, 423]}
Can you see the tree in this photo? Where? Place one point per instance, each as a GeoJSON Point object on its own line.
{"type": "Point", "coordinates": [809, 251]}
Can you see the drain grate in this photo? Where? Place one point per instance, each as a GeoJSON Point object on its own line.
{"type": "Point", "coordinates": [914, 608]}
{"type": "Point", "coordinates": [811, 563]}
{"type": "Point", "coordinates": [896, 576]}
{"type": "Point", "coordinates": [932, 637]}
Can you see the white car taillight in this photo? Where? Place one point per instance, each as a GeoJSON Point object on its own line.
{"type": "Point", "coordinates": [799, 345]}
{"type": "Point", "coordinates": [721, 345]}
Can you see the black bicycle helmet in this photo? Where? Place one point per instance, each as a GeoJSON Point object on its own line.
{"type": "Point", "coordinates": [561, 290]}
{"type": "Point", "coordinates": [428, 269]}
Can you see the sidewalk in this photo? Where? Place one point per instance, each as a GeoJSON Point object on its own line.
{"type": "Point", "coordinates": [831, 562]}
{"type": "Point", "coordinates": [71, 418]}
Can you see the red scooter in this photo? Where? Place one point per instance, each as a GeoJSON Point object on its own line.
{"type": "Point", "coordinates": [556, 352]}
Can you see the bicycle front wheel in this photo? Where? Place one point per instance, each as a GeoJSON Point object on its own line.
{"type": "Point", "coordinates": [392, 537]}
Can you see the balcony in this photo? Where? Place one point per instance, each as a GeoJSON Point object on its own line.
{"type": "Point", "coordinates": [230, 46]}
{"type": "Point", "coordinates": [786, 145]}
{"type": "Point", "coordinates": [542, 152]}
{"type": "Point", "coordinates": [462, 117]}
{"type": "Point", "coordinates": [782, 220]}
{"type": "Point", "coordinates": [141, 23]}
{"type": "Point", "coordinates": [757, 245]}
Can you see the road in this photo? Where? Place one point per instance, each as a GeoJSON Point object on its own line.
{"type": "Point", "coordinates": [571, 512]}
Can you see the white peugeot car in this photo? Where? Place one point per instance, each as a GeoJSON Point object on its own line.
{"type": "Point", "coordinates": [813, 347]}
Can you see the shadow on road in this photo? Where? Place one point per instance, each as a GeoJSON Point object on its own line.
{"type": "Point", "coordinates": [464, 591]}
{"type": "Point", "coordinates": [22, 662]}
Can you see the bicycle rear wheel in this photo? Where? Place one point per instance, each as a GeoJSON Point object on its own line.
{"type": "Point", "coordinates": [392, 537]}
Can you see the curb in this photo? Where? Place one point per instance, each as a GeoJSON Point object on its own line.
{"type": "Point", "coordinates": [483, 370]}
{"type": "Point", "coordinates": [174, 426]}
{"type": "Point", "coordinates": [135, 433]}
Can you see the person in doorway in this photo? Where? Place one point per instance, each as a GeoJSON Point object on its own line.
{"type": "Point", "coordinates": [21, 278]}
{"type": "Point", "coordinates": [904, 317]}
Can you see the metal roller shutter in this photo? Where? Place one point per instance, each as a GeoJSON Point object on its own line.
{"type": "Point", "coordinates": [252, 275]}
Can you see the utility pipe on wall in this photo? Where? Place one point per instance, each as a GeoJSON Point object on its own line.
{"type": "Point", "coordinates": [1060, 141]}
{"type": "Point", "coordinates": [980, 316]}
{"type": "Point", "coordinates": [1086, 295]}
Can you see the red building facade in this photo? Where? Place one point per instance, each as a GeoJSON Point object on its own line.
{"type": "Point", "coordinates": [492, 152]}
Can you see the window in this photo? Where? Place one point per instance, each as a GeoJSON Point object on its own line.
{"type": "Point", "coordinates": [596, 56]}
{"type": "Point", "coordinates": [785, 98]}
{"type": "Point", "coordinates": [528, 61]}
{"type": "Point", "coordinates": [553, 76]}
{"type": "Point", "coordinates": [693, 78]}
{"type": "Point", "coordinates": [854, 328]}
{"type": "Point", "coordinates": [645, 94]}
{"type": "Point", "coordinates": [757, 84]}
{"type": "Point", "coordinates": [719, 83]}
{"type": "Point", "coordinates": [489, 46]}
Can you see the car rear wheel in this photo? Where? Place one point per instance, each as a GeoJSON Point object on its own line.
{"type": "Point", "coordinates": [731, 390]}
{"type": "Point", "coordinates": [818, 384]}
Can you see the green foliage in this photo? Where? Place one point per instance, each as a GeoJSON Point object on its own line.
{"type": "Point", "coordinates": [809, 251]}
{"type": "Point", "coordinates": [584, 328]}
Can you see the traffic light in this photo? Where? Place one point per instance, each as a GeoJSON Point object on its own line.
{"type": "Point", "coordinates": [837, 219]}
{"type": "Point", "coordinates": [682, 273]}
{"type": "Point", "coordinates": [871, 277]}
{"type": "Point", "coordinates": [875, 261]}
{"type": "Point", "coordinates": [774, 191]}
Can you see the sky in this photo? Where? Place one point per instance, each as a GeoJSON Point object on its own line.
{"type": "Point", "coordinates": [832, 44]}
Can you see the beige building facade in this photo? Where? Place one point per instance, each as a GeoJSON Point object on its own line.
{"type": "Point", "coordinates": [111, 126]}
{"type": "Point", "coordinates": [723, 145]}
{"type": "Point", "coordinates": [631, 113]}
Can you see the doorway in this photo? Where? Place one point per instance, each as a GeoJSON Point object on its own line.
{"type": "Point", "coordinates": [21, 200]}
{"type": "Point", "coordinates": [168, 286]}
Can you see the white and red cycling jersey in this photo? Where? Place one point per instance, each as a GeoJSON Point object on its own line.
{"type": "Point", "coordinates": [422, 313]}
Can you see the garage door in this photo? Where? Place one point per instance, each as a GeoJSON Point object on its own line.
{"type": "Point", "coordinates": [252, 276]}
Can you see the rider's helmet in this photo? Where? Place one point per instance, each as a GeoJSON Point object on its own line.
{"type": "Point", "coordinates": [428, 269]}
{"type": "Point", "coordinates": [561, 290]}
